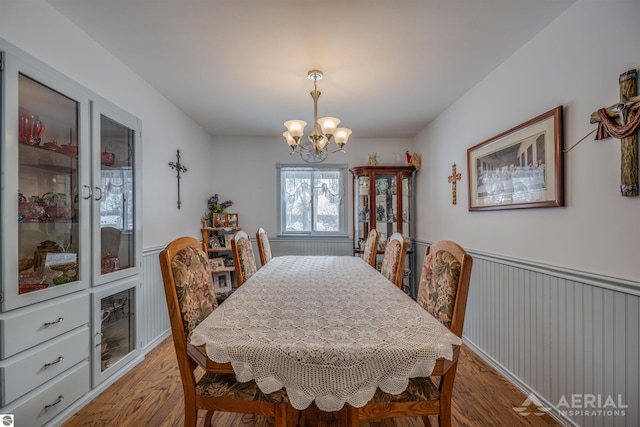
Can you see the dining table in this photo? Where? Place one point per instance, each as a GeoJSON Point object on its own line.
{"type": "Point", "coordinates": [329, 329]}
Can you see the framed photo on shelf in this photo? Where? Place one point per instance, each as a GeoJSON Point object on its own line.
{"type": "Point", "coordinates": [216, 263]}
{"type": "Point", "coordinates": [219, 220]}
{"type": "Point", "coordinates": [222, 282]}
{"type": "Point", "coordinates": [519, 168]}
{"type": "Point", "coordinates": [232, 220]}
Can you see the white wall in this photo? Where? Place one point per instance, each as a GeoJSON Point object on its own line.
{"type": "Point", "coordinates": [244, 171]}
{"type": "Point", "coordinates": [574, 62]}
{"type": "Point", "coordinates": [37, 28]}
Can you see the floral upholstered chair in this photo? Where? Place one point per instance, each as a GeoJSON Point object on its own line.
{"type": "Point", "coordinates": [394, 256]}
{"type": "Point", "coordinates": [264, 249]}
{"type": "Point", "coordinates": [190, 297]}
{"type": "Point", "coordinates": [243, 258]}
{"type": "Point", "coordinates": [371, 248]}
{"type": "Point", "coordinates": [443, 290]}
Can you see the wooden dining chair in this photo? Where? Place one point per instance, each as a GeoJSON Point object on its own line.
{"type": "Point", "coordinates": [190, 297]}
{"type": "Point", "coordinates": [243, 259]}
{"type": "Point", "coordinates": [371, 248]}
{"type": "Point", "coordinates": [394, 257]}
{"type": "Point", "coordinates": [443, 290]}
{"type": "Point", "coordinates": [264, 249]}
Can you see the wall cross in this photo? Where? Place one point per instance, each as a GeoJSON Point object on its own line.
{"type": "Point", "coordinates": [455, 176]}
{"type": "Point", "coordinates": [622, 121]}
{"type": "Point", "coordinates": [179, 167]}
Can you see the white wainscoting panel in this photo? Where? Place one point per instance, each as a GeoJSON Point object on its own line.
{"type": "Point", "coordinates": [560, 334]}
{"type": "Point", "coordinates": [155, 322]}
{"type": "Point", "coordinates": [311, 246]}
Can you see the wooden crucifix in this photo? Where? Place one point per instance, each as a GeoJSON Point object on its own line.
{"type": "Point", "coordinates": [622, 121]}
{"type": "Point", "coordinates": [455, 176]}
{"type": "Point", "coordinates": [179, 167]}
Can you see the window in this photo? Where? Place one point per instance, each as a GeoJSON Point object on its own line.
{"type": "Point", "coordinates": [312, 199]}
{"type": "Point", "coordinates": [116, 208]}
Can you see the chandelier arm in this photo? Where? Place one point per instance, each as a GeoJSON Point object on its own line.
{"type": "Point", "coordinates": [338, 150]}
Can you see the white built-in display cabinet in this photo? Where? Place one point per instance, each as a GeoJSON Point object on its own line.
{"type": "Point", "coordinates": [70, 239]}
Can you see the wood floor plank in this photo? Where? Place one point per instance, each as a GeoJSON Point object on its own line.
{"type": "Point", "coordinates": [150, 395]}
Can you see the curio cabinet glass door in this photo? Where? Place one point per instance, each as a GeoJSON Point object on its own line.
{"type": "Point", "coordinates": [44, 169]}
{"type": "Point", "coordinates": [116, 217]}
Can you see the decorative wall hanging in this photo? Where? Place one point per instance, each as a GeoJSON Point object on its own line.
{"type": "Point", "coordinates": [622, 121]}
{"type": "Point", "coordinates": [453, 179]}
{"type": "Point", "coordinates": [179, 167]}
{"type": "Point", "coordinates": [519, 168]}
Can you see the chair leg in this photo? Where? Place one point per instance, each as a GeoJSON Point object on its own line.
{"type": "Point", "coordinates": [446, 392]}
{"type": "Point", "coordinates": [207, 418]}
{"type": "Point", "coordinates": [280, 416]}
{"type": "Point", "coordinates": [426, 421]}
{"type": "Point", "coordinates": [310, 415]}
{"type": "Point", "coordinates": [294, 417]}
{"type": "Point", "coordinates": [190, 417]}
{"type": "Point", "coordinates": [444, 420]}
{"type": "Point", "coordinates": [353, 416]}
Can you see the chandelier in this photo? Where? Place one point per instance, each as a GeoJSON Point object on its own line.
{"type": "Point", "coordinates": [315, 148]}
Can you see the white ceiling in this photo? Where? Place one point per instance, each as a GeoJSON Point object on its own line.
{"type": "Point", "coordinates": [239, 67]}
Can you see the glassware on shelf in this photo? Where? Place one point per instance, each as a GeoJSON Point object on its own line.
{"type": "Point", "coordinates": [110, 263]}
{"type": "Point", "coordinates": [31, 211]}
{"type": "Point", "coordinates": [30, 128]}
{"type": "Point", "coordinates": [47, 173]}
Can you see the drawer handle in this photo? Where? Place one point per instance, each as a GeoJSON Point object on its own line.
{"type": "Point", "coordinates": [55, 362]}
{"type": "Point", "coordinates": [58, 400]}
{"type": "Point", "coordinates": [58, 320]}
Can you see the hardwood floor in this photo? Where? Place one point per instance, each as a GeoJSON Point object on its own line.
{"type": "Point", "coordinates": [150, 395]}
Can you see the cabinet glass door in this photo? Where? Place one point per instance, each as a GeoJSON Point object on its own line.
{"type": "Point", "coordinates": [48, 186]}
{"type": "Point", "coordinates": [45, 242]}
{"type": "Point", "coordinates": [115, 213]}
{"type": "Point", "coordinates": [407, 203]}
{"type": "Point", "coordinates": [115, 325]}
{"type": "Point", "coordinates": [361, 202]}
{"type": "Point", "coordinates": [386, 208]}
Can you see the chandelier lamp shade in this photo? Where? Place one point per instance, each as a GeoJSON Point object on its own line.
{"type": "Point", "coordinates": [325, 129]}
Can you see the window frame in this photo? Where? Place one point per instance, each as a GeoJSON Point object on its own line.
{"type": "Point", "coordinates": [342, 212]}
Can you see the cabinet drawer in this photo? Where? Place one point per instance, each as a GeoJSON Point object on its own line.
{"type": "Point", "coordinates": [26, 328]}
{"type": "Point", "coordinates": [40, 406]}
{"type": "Point", "coordinates": [26, 371]}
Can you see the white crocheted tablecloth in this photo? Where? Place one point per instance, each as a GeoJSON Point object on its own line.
{"type": "Point", "coordinates": [328, 329]}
